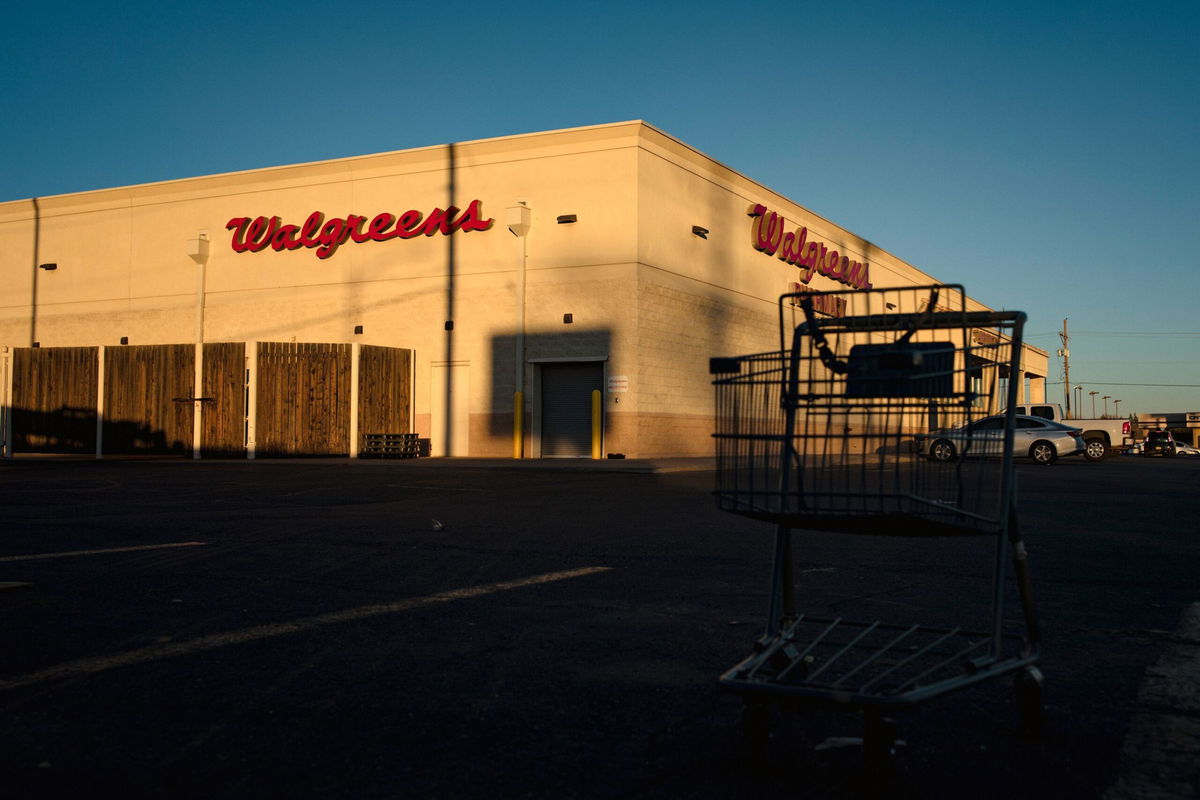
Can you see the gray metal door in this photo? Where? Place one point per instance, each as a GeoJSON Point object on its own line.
{"type": "Point", "coordinates": [567, 408]}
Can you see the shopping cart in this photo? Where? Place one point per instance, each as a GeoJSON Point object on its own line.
{"type": "Point", "coordinates": [863, 424]}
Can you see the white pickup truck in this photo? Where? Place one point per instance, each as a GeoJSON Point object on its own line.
{"type": "Point", "coordinates": [1102, 437]}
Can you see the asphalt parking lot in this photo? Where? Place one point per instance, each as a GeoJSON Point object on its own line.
{"type": "Point", "coordinates": [462, 628]}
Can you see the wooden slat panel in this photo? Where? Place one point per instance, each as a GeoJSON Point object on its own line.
{"type": "Point", "coordinates": [54, 399]}
{"type": "Point", "coordinates": [385, 390]}
{"type": "Point", "coordinates": [145, 398]}
{"type": "Point", "coordinates": [223, 434]}
{"type": "Point", "coordinates": [303, 399]}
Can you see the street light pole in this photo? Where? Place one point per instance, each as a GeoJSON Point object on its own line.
{"type": "Point", "coordinates": [1106, 405]}
{"type": "Point", "coordinates": [1117, 409]}
{"type": "Point", "coordinates": [197, 250]}
{"type": "Point", "coordinates": [520, 219]}
{"type": "Point", "coordinates": [1078, 399]}
{"type": "Point", "coordinates": [1093, 394]}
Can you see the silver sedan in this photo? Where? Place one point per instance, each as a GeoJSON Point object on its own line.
{"type": "Point", "coordinates": [1042, 440]}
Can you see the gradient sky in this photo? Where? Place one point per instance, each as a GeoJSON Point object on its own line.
{"type": "Point", "coordinates": [1046, 155]}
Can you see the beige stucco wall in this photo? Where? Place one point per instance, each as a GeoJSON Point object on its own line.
{"type": "Point", "coordinates": [647, 296]}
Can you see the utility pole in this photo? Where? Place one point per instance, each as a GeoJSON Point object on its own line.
{"type": "Point", "coordinates": [1065, 354]}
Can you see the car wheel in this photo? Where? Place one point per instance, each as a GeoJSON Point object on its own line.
{"type": "Point", "coordinates": [941, 450]}
{"type": "Point", "coordinates": [1095, 450]}
{"type": "Point", "coordinates": [1043, 453]}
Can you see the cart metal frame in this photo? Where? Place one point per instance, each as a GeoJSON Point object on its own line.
{"type": "Point", "coordinates": [820, 435]}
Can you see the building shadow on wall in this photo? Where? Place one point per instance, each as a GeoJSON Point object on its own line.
{"type": "Point", "coordinates": [593, 345]}
{"type": "Point", "coordinates": [70, 430]}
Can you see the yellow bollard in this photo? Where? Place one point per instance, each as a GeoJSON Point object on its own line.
{"type": "Point", "coordinates": [518, 425]}
{"type": "Point", "coordinates": [597, 425]}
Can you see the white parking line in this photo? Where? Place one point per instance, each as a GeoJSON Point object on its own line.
{"type": "Point", "coordinates": [88, 666]}
{"type": "Point", "coordinates": [38, 556]}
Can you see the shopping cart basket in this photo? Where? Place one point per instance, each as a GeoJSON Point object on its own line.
{"type": "Point", "coordinates": [865, 423]}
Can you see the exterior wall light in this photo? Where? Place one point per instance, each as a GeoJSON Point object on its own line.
{"type": "Point", "coordinates": [449, 324]}
{"type": "Point", "coordinates": [565, 219]}
{"type": "Point", "coordinates": [358, 328]}
{"type": "Point", "coordinates": [699, 231]}
{"type": "Point", "coordinates": [568, 319]}
{"type": "Point", "coordinates": [124, 340]}
{"type": "Point", "coordinates": [518, 219]}
{"type": "Point", "coordinates": [48, 267]}
{"type": "Point", "coordinates": [197, 249]}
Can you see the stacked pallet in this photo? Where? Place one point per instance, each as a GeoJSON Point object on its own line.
{"type": "Point", "coordinates": [390, 445]}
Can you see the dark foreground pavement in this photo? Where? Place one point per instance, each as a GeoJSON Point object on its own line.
{"type": "Point", "coordinates": [422, 629]}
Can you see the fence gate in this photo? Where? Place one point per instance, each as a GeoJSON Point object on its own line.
{"type": "Point", "coordinates": [384, 389]}
{"type": "Point", "coordinates": [303, 399]}
{"type": "Point", "coordinates": [54, 399]}
{"type": "Point", "coordinates": [147, 398]}
{"type": "Point", "coordinates": [223, 409]}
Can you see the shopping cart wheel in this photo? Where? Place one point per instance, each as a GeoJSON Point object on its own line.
{"type": "Point", "coordinates": [1028, 686]}
{"type": "Point", "coordinates": [756, 730]}
{"type": "Point", "coordinates": [879, 743]}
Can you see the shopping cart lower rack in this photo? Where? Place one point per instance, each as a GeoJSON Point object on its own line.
{"type": "Point", "coordinates": [830, 433]}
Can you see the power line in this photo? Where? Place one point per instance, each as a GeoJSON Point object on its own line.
{"type": "Point", "coordinates": [1112, 383]}
{"type": "Point", "coordinates": [1118, 333]}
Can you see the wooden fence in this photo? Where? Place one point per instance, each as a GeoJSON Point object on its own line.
{"type": "Point", "coordinates": [303, 391]}
{"type": "Point", "coordinates": [147, 398]}
{"type": "Point", "coordinates": [384, 389]}
{"type": "Point", "coordinates": [54, 399]}
{"type": "Point", "coordinates": [223, 418]}
{"type": "Point", "coordinates": [303, 399]}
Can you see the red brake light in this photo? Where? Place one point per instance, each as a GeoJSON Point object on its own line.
{"type": "Point", "coordinates": [1125, 428]}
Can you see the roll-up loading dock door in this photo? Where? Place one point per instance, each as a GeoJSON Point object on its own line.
{"type": "Point", "coordinates": [567, 407]}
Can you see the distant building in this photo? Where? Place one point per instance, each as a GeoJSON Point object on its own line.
{"type": "Point", "coordinates": [1183, 425]}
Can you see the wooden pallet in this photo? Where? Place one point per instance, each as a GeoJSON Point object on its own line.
{"type": "Point", "coordinates": [390, 445]}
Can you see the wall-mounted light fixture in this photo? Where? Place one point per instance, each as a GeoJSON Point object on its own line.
{"type": "Point", "coordinates": [449, 324]}
{"type": "Point", "coordinates": [48, 267]}
{"type": "Point", "coordinates": [699, 231]}
{"type": "Point", "coordinates": [358, 328]}
{"type": "Point", "coordinates": [518, 219]}
{"type": "Point", "coordinates": [124, 340]}
{"type": "Point", "coordinates": [566, 219]}
{"type": "Point", "coordinates": [890, 306]}
{"type": "Point", "coordinates": [197, 249]}
{"type": "Point", "coordinates": [568, 319]}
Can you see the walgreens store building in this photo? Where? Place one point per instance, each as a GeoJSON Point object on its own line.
{"type": "Point", "coordinates": [554, 294]}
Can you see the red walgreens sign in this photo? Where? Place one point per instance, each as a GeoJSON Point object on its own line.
{"type": "Point", "coordinates": [258, 233]}
{"type": "Point", "coordinates": [768, 236]}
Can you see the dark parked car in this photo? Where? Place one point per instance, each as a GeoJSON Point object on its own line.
{"type": "Point", "coordinates": [1159, 443]}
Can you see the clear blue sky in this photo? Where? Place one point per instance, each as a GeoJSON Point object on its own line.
{"type": "Point", "coordinates": [1046, 155]}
